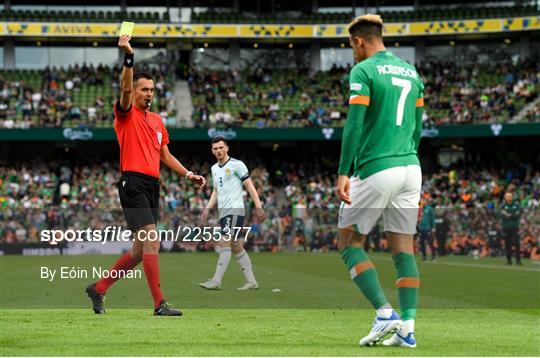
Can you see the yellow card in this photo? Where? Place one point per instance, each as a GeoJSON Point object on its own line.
{"type": "Point", "coordinates": [127, 28]}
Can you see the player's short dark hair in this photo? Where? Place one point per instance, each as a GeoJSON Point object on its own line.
{"type": "Point", "coordinates": [218, 139]}
{"type": "Point", "coordinates": [368, 26]}
{"type": "Point", "coordinates": [140, 75]}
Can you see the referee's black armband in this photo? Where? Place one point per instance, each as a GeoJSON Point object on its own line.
{"type": "Point", "coordinates": [128, 59]}
{"type": "Point", "coordinates": [119, 108]}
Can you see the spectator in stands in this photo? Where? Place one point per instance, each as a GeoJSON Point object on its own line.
{"type": "Point", "coordinates": [32, 194]}
{"type": "Point", "coordinates": [63, 94]}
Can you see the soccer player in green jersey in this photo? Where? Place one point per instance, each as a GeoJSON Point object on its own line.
{"type": "Point", "coordinates": [381, 137]}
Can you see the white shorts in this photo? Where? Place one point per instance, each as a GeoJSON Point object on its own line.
{"type": "Point", "coordinates": [393, 192]}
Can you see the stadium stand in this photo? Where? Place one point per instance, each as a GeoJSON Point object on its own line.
{"type": "Point", "coordinates": [302, 208]}
{"type": "Point", "coordinates": [230, 17]}
{"type": "Point", "coordinates": [469, 94]}
{"type": "Point", "coordinates": [438, 13]}
{"type": "Point", "coordinates": [477, 94]}
{"type": "Point", "coordinates": [284, 98]}
{"type": "Point", "coordinates": [34, 196]}
{"type": "Point", "coordinates": [533, 115]}
{"type": "Point", "coordinates": [84, 95]}
{"type": "Point", "coordinates": [74, 96]}
{"type": "Point", "coordinates": [467, 201]}
{"type": "Point", "coordinates": [83, 16]}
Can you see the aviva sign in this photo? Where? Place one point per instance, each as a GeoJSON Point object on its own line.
{"type": "Point", "coordinates": [65, 29]}
{"type": "Point", "coordinates": [284, 31]}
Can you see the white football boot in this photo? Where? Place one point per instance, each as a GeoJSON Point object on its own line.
{"type": "Point", "coordinates": [397, 340]}
{"type": "Point", "coordinates": [248, 286]}
{"type": "Point", "coordinates": [404, 337]}
{"type": "Point", "coordinates": [381, 327]}
{"type": "Point", "coordinates": [210, 285]}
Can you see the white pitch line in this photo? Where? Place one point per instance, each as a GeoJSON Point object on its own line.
{"type": "Point", "coordinates": [515, 268]}
{"type": "Point", "coordinates": [483, 266]}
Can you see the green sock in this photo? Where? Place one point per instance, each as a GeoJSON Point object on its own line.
{"type": "Point", "coordinates": [407, 284]}
{"type": "Point", "coordinates": [364, 275]}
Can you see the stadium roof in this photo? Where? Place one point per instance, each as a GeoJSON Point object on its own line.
{"type": "Point", "coordinates": [279, 4]}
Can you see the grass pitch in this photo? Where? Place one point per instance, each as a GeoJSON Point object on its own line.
{"type": "Point", "coordinates": [467, 308]}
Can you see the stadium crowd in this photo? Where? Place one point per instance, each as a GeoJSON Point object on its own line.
{"type": "Point", "coordinates": [467, 206]}
{"type": "Point", "coordinates": [477, 94]}
{"type": "Point", "coordinates": [302, 209]}
{"type": "Point", "coordinates": [84, 95]}
{"type": "Point", "coordinates": [468, 94]}
{"type": "Point", "coordinates": [533, 115]}
{"type": "Point", "coordinates": [34, 196]}
{"type": "Point", "coordinates": [74, 96]}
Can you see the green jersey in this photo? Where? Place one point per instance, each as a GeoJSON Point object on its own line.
{"type": "Point", "coordinates": [385, 116]}
{"type": "Point", "coordinates": [428, 218]}
{"type": "Point", "coordinates": [509, 214]}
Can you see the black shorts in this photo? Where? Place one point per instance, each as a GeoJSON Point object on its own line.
{"type": "Point", "coordinates": [231, 221]}
{"type": "Point", "coordinates": [139, 196]}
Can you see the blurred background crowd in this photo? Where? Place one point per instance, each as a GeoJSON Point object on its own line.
{"type": "Point", "coordinates": [83, 96]}
{"type": "Point", "coordinates": [302, 207]}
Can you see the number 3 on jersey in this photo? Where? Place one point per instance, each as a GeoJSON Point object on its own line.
{"type": "Point", "coordinates": [405, 89]}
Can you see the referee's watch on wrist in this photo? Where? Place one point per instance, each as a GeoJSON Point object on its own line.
{"type": "Point", "coordinates": [188, 175]}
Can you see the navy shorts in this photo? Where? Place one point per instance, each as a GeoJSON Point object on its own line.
{"type": "Point", "coordinates": [231, 221]}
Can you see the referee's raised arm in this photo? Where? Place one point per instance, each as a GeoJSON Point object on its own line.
{"type": "Point", "coordinates": [126, 81]}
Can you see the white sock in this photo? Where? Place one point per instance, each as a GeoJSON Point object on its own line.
{"type": "Point", "coordinates": [407, 327]}
{"type": "Point", "coordinates": [222, 263]}
{"type": "Point", "coordinates": [245, 264]}
{"type": "Point", "coordinates": [385, 311]}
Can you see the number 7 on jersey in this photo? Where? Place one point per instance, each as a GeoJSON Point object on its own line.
{"type": "Point", "coordinates": [405, 89]}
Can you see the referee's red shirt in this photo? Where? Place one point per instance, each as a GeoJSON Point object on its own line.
{"type": "Point", "coordinates": [140, 136]}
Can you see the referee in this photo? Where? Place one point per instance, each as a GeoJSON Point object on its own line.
{"type": "Point", "coordinates": [143, 143]}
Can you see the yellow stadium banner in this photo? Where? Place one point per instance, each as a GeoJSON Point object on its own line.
{"type": "Point", "coordinates": [275, 31]}
{"type": "Point", "coordinates": [426, 28]}
{"type": "Point", "coordinates": [112, 30]}
{"type": "Point", "coordinates": [430, 28]}
{"type": "Point", "coordinates": [459, 27]}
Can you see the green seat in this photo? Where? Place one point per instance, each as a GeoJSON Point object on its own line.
{"type": "Point", "coordinates": [77, 16]}
{"type": "Point", "coordinates": [70, 17]}
{"type": "Point", "coordinates": [141, 16]}
{"type": "Point", "coordinates": [26, 15]}
{"type": "Point", "coordinates": [11, 15]}
{"type": "Point", "coordinates": [124, 16]}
